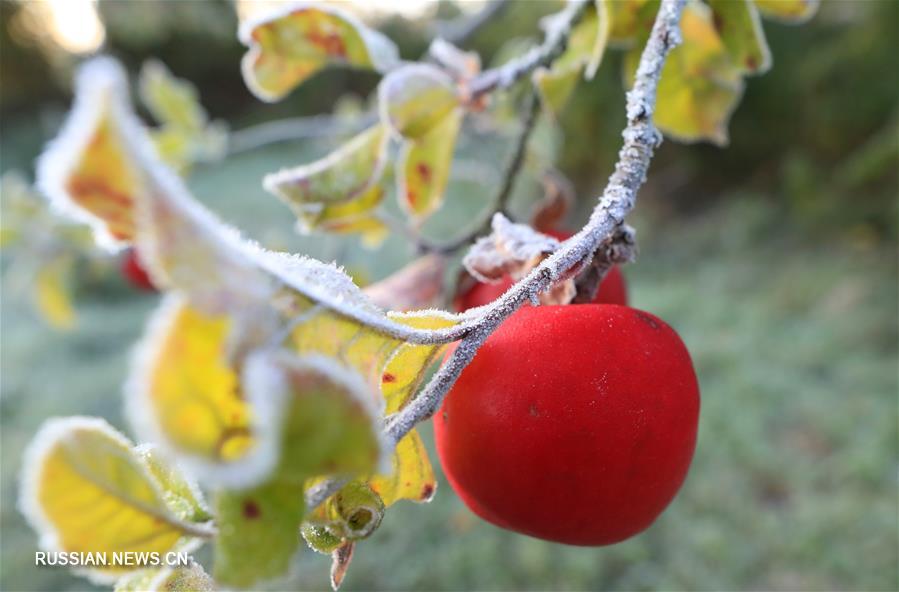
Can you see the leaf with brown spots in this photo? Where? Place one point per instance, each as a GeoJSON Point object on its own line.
{"type": "Point", "coordinates": [424, 166]}
{"type": "Point", "coordinates": [293, 42]}
{"type": "Point", "coordinates": [91, 171]}
{"type": "Point", "coordinates": [411, 476]}
{"type": "Point", "coordinates": [257, 532]}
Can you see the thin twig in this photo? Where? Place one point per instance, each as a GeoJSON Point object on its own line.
{"type": "Point", "coordinates": [640, 141]}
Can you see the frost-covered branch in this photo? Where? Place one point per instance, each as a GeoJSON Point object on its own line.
{"type": "Point", "coordinates": [619, 248]}
{"type": "Point", "coordinates": [640, 141]}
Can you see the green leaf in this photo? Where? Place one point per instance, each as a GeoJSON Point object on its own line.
{"type": "Point", "coordinates": [258, 532]}
{"type": "Point", "coordinates": [700, 87]}
{"type": "Point", "coordinates": [424, 166]}
{"type": "Point", "coordinates": [292, 43]}
{"type": "Point", "coordinates": [415, 98]}
{"type": "Point", "coordinates": [344, 180]}
{"type": "Point", "coordinates": [329, 417]}
{"type": "Point", "coordinates": [84, 489]}
{"type": "Point", "coordinates": [737, 23]}
{"type": "Point", "coordinates": [789, 11]}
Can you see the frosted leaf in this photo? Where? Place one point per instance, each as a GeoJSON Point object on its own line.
{"type": "Point", "coordinates": [511, 249]}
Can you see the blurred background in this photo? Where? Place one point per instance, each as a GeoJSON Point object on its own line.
{"type": "Point", "coordinates": [775, 258]}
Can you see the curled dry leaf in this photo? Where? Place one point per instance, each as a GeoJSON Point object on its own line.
{"type": "Point", "coordinates": [558, 198]}
{"type": "Point", "coordinates": [340, 563]}
{"type": "Point", "coordinates": [514, 250]}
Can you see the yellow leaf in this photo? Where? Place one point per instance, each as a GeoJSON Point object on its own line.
{"type": "Point", "coordinates": [424, 166]}
{"type": "Point", "coordinates": [184, 394]}
{"type": "Point", "coordinates": [52, 294]}
{"type": "Point", "coordinates": [700, 87]}
{"type": "Point", "coordinates": [291, 44]}
{"type": "Point", "coordinates": [411, 477]}
{"type": "Point", "coordinates": [789, 11]}
{"type": "Point", "coordinates": [85, 490]}
{"type": "Point", "coordinates": [406, 368]}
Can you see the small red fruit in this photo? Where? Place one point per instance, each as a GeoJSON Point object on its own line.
{"type": "Point", "coordinates": [575, 424]}
{"type": "Point", "coordinates": [135, 273]}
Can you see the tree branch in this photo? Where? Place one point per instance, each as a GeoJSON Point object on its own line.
{"type": "Point", "coordinates": [640, 140]}
{"type": "Point", "coordinates": [619, 248]}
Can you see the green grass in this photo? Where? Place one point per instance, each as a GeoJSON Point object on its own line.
{"type": "Point", "coordinates": [794, 481]}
